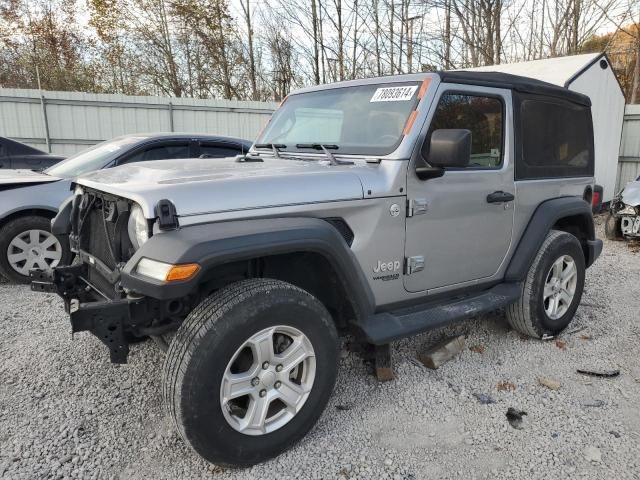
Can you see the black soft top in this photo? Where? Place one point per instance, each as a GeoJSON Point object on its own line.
{"type": "Point", "coordinates": [514, 82]}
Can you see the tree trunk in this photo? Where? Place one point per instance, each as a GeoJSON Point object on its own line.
{"type": "Point", "coordinates": [391, 22]}
{"type": "Point", "coordinates": [376, 20]}
{"type": "Point", "coordinates": [338, 4]}
{"type": "Point", "coordinates": [635, 84]}
{"type": "Point", "coordinates": [355, 39]}
{"type": "Point", "coordinates": [316, 50]}
{"type": "Point", "coordinates": [447, 35]}
{"type": "Point", "coordinates": [497, 19]}
{"type": "Point", "coordinates": [252, 59]}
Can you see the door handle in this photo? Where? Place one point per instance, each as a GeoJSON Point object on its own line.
{"type": "Point", "coordinates": [500, 197]}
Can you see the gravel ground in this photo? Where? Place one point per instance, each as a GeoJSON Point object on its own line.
{"type": "Point", "coordinates": [66, 412]}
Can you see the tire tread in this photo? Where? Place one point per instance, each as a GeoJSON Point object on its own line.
{"type": "Point", "coordinates": [519, 314]}
{"type": "Point", "coordinates": [198, 323]}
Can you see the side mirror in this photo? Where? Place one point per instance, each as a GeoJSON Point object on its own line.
{"type": "Point", "coordinates": [425, 173]}
{"type": "Point", "coordinates": [450, 148]}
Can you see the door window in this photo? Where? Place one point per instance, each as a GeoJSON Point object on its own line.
{"type": "Point", "coordinates": [218, 150]}
{"type": "Point", "coordinates": [482, 115]}
{"type": "Point", "coordinates": [160, 152]}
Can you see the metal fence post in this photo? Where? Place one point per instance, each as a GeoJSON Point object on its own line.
{"type": "Point", "coordinates": [170, 116]}
{"type": "Point", "coordinates": [45, 123]}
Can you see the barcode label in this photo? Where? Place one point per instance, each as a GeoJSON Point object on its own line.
{"type": "Point", "coordinates": [394, 94]}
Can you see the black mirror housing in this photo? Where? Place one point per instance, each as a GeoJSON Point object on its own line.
{"type": "Point", "coordinates": [450, 148]}
{"type": "Point", "coordinates": [425, 173]}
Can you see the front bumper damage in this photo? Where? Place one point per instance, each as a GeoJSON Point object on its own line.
{"type": "Point", "coordinates": [116, 322]}
{"type": "Point", "coordinates": [626, 209]}
{"type": "Point", "coordinates": [630, 226]}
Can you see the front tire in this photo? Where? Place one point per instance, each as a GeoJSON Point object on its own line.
{"type": "Point", "coordinates": [26, 243]}
{"type": "Point", "coordinates": [250, 371]}
{"type": "Point", "coordinates": [553, 288]}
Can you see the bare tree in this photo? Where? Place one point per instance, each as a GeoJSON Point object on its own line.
{"type": "Point", "coordinates": [246, 9]}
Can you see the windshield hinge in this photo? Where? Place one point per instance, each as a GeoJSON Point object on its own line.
{"type": "Point", "coordinates": [416, 206]}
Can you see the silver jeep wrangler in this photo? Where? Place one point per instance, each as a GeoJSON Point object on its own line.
{"type": "Point", "coordinates": [382, 207]}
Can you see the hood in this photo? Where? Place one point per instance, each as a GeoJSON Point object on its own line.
{"type": "Point", "coordinates": [631, 194]}
{"type": "Point", "coordinates": [198, 186]}
{"type": "Point", "coordinates": [15, 177]}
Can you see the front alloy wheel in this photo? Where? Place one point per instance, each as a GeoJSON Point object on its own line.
{"type": "Point", "coordinates": [268, 380]}
{"type": "Point", "coordinates": [250, 371]}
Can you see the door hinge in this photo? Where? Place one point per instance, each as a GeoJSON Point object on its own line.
{"type": "Point", "coordinates": [416, 206]}
{"type": "Point", "coordinates": [413, 264]}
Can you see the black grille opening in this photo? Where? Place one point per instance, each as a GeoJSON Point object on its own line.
{"type": "Point", "coordinates": [101, 238]}
{"type": "Point", "coordinates": [103, 235]}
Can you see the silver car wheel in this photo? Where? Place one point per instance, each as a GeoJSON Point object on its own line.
{"type": "Point", "coordinates": [34, 249]}
{"type": "Point", "coordinates": [560, 287]}
{"type": "Point", "coordinates": [268, 380]}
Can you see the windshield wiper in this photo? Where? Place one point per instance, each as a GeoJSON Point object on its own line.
{"type": "Point", "coordinates": [273, 146]}
{"type": "Point", "coordinates": [325, 149]}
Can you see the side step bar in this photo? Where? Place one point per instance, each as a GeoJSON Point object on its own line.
{"type": "Point", "coordinates": [386, 327]}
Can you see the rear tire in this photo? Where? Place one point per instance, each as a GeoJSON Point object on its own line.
{"type": "Point", "coordinates": [226, 360]}
{"type": "Point", "coordinates": [550, 284]}
{"type": "Point", "coordinates": [27, 242]}
{"type": "Point", "coordinates": [613, 227]}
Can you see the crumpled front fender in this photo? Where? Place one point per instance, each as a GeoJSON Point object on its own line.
{"type": "Point", "coordinates": [631, 194]}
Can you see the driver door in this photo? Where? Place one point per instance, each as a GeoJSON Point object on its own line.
{"type": "Point", "coordinates": [456, 232]}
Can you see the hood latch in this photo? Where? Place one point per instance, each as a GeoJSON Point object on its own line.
{"type": "Point", "coordinates": [167, 215]}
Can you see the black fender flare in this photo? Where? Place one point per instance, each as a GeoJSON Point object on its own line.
{"type": "Point", "coordinates": [61, 223]}
{"type": "Point", "coordinates": [214, 244]}
{"type": "Point", "coordinates": [546, 215]}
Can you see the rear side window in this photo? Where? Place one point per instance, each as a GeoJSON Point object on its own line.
{"type": "Point", "coordinates": [482, 115]}
{"type": "Point", "coordinates": [556, 140]}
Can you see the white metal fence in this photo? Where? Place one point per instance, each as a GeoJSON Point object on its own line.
{"type": "Point", "coordinates": [629, 160]}
{"type": "Point", "coordinates": [66, 122]}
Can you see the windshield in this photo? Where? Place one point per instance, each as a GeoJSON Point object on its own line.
{"type": "Point", "coordinates": [365, 120]}
{"type": "Point", "coordinates": [93, 158]}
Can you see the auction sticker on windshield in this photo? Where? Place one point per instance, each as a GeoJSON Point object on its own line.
{"type": "Point", "coordinates": [394, 94]}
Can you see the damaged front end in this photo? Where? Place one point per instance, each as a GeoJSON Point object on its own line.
{"type": "Point", "coordinates": [93, 294]}
{"type": "Point", "coordinates": [625, 210]}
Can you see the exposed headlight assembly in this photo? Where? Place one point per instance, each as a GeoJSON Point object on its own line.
{"type": "Point", "coordinates": [138, 227]}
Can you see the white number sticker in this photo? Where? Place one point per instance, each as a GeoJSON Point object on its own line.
{"type": "Point", "coordinates": [394, 94]}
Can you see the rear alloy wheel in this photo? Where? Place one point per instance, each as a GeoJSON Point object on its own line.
{"type": "Point", "coordinates": [560, 287]}
{"type": "Point", "coordinates": [250, 371]}
{"type": "Point", "coordinates": [552, 290]}
{"type": "Point", "coordinates": [27, 243]}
